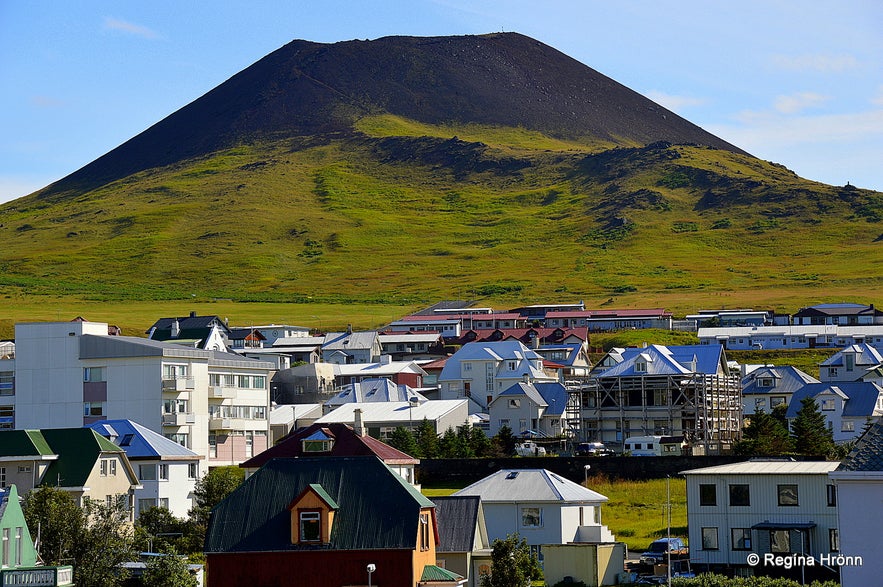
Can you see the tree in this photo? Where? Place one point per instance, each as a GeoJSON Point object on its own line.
{"type": "Point", "coordinates": [403, 439]}
{"type": "Point", "coordinates": [512, 564]}
{"type": "Point", "coordinates": [764, 436]}
{"type": "Point", "coordinates": [157, 530]}
{"type": "Point", "coordinates": [105, 541]}
{"type": "Point", "coordinates": [169, 570]}
{"type": "Point", "coordinates": [812, 437]}
{"type": "Point", "coordinates": [504, 442]}
{"type": "Point", "coordinates": [480, 443]}
{"type": "Point", "coordinates": [54, 517]}
{"type": "Point", "coordinates": [213, 487]}
{"type": "Point", "coordinates": [427, 440]}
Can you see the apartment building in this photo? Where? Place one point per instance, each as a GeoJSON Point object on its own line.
{"type": "Point", "coordinates": [70, 374]}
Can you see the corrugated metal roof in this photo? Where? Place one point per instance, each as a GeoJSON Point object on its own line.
{"type": "Point", "coordinates": [434, 573]}
{"type": "Point", "coordinates": [23, 443]}
{"type": "Point", "coordinates": [530, 485]}
{"type": "Point", "coordinates": [102, 347]}
{"type": "Point", "coordinates": [393, 411]}
{"type": "Point", "coordinates": [289, 413]}
{"type": "Point", "coordinates": [862, 397]}
{"type": "Point", "coordinates": [78, 450]}
{"type": "Point", "coordinates": [787, 380]}
{"type": "Point", "coordinates": [141, 442]}
{"type": "Point", "coordinates": [378, 509]}
{"type": "Point", "coordinates": [768, 467]}
{"type": "Point", "coordinates": [458, 519]}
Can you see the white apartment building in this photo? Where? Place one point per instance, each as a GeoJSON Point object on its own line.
{"type": "Point", "coordinates": [70, 374]}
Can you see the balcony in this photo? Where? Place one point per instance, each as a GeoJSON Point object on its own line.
{"type": "Point", "coordinates": [181, 384]}
{"type": "Point", "coordinates": [218, 423]}
{"type": "Point", "coordinates": [221, 392]}
{"type": "Point", "coordinates": [179, 419]}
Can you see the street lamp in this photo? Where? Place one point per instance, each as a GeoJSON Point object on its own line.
{"type": "Point", "coordinates": [371, 568]}
{"type": "Point", "coordinates": [586, 469]}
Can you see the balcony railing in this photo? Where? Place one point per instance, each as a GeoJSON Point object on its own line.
{"type": "Point", "coordinates": [220, 391]}
{"type": "Point", "coordinates": [181, 384]}
{"type": "Point", "coordinates": [218, 423]}
{"type": "Point", "coordinates": [178, 419]}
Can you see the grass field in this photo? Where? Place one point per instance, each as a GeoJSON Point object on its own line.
{"type": "Point", "coordinates": [635, 512]}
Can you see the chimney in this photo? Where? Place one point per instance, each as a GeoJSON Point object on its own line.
{"type": "Point", "coordinates": [349, 328]}
{"type": "Point", "coordinates": [192, 314]}
{"type": "Point", "coordinates": [525, 377]}
{"type": "Point", "coordinates": [176, 328]}
{"type": "Point", "coordinates": [357, 424]}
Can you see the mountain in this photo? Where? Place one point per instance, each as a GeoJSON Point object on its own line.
{"type": "Point", "coordinates": [416, 168]}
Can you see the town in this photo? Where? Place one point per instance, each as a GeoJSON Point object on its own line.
{"type": "Point", "coordinates": [277, 451]}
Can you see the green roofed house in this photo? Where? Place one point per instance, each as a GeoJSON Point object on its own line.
{"type": "Point", "coordinates": [18, 557]}
{"type": "Point", "coordinates": [325, 521]}
{"type": "Point", "coordinates": [77, 460]}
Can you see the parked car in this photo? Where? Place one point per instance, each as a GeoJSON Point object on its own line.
{"type": "Point", "coordinates": [530, 449]}
{"type": "Point", "coordinates": [592, 449]}
{"type": "Point", "coordinates": [656, 553]}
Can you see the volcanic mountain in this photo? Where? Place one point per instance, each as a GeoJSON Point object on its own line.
{"type": "Point", "coordinates": [417, 168]}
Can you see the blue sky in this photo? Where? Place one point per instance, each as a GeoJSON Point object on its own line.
{"type": "Point", "coordinates": [795, 82]}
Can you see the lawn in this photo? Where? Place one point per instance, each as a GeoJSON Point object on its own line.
{"type": "Point", "coordinates": [635, 512]}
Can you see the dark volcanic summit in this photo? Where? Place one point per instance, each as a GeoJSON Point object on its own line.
{"type": "Point", "coordinates": [307, 88]}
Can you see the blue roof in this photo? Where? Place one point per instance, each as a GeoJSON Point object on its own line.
{"type": "Point", "coordinates": [483, 351]}
{"type": "Point", "coordinates": [555, 396]}
{"type": "Point", "coordinates": [861, 397]}
{"type": "Point", "coordinates": [663, 360]}
{"type": "Point", "coordinates": [140, 442]}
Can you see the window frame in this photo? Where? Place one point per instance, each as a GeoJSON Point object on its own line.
{"type": "Point", "coordinates": [526, 514]}
{"type": "Point", "coordinates": [784, 499]}
{"type": "Point", "coordinates": [743, 542]}
{"type": "Point", "coordinates": [703, 495]}
{"type": "Point", "coordinates": [315, 517]}
{"type": "Point", "coordinates": [705, 534]}
{"type": "Point", "coordinates": [733, 496]}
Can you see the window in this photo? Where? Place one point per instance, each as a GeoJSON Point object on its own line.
{"type": "Point", "coordinates": [103, 468]}
{"type": "Point", "coordinates": [7, 417]}
{"type": "Point", "coordinates": [192, 470]}
{"type": "Point", "coordinates": [833, 540]}
{"type": "Point", "coordinates": [147, 472]}
{"type": "Point", "coordinates": [93, 374]}
{"type": "Point", "coordinates": [739, 495]}
{"type": "Point", "coordinates": [709, 539]}
{"type": "Point", "coordinates": [765, 382]}
{"type": "Point", "coordinates": [504, 422]}
{"type": "Point", "coordinates": [787, 495]}
{"type": "Point", "coordinates": [847, 426]}
{"type": "Point", "coordinates": [780, 541]}
{"type": "Point", "coordinates": [144, 505]}
{"type": "Point", "coordinates": [2, 477]}
{"type": "Point", "coordinates": [640, 366]}
{"type": "Point", "coordinates": [776, 401]}
{"type": "Point", "coordinates": [424, 531]}
{"type": "Point", "coordinates": [832, 372]}
{"type": "Point", "coordinates": [828, 404]}
{"type": "Point", "coordinates": [831, 491]}
{"type": "Point", "coordinates": [514, 403]}
{"type": "Point", "coordinates": [18, 545]}
{"type": "Point", "coordinates": [174, 371]}
{"type": "Point", "coordinates": [164, 472]}
{"type": "Point", "coordinates": [317, 445]}
{"type": "Point", "coordinates": [707, 494]}
{"type": "Point", "coordinates": [531, 517]}
{"type": "Point", "coordinates": [24, 469]}
{"type": "Point", "coordinates": [310, 526]}
{"type": "Point", "coordinates": [164, 502]}
{"type": "Point", "coordinates": [183, 439]}
{"type": "Point", "coordinates": [741, 538]}
{"type": "Point", "coordinates": [93, 408]}
{"type": "Point", "coordinates": [5, 558]}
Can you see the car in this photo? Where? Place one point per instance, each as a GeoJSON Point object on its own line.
{"type": "Point", "coordinates": [530, 449]}
{"type": "Point", "coordinates": [656, 553]}
{"type": "Point", "coordinates": [592, 449]}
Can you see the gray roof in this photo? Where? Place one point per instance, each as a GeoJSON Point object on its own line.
{"type": "Point", "coordinates": [860, 397]}
{"type": "Point", "coordinates": [865, 355]}
{"type": "Point", "coordinates": [867, 455]}
{"type": "Point", "coordinates": [343, 341]}
{"type": "Point", "coordinates": [768, 467]}
{"type": "Point", "coordinates": [458, 519]}
{"type": "Point", "coordinates": [786, 379]}
{"type": "Point", "coordinates": [374, 390]}
{"type": "Point", "coordinates": [530, 485]}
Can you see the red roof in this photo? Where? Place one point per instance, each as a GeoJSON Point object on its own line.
{"type": "Point", "coordinates": [346, 444]}
{"type": "Point", "coordinates": [627, 313]}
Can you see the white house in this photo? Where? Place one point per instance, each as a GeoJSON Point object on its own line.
{"type": "Point", "coordinates": [381, 419]}
{"type": "Point", "coordinates": [776, 507]}
{"type": "Point", "coordinates": [768, 386]}
{"type": "Point", "coordinates": [847, 406]}
{"type": "Point", "coordinates": [167, 471]}
{"type": "Point", "coordinates": [480, 371]}
{"type": "Point", "coordinates": [71, 374]}
{"type": "Point", "coordinates": [790, 336]}
{"type": "Point", "coordinates": [541, 506]}
{"type": "Point", "coordinates": [859, 482]}
{"type": "Point", "coordinates": [857, 362]}
{"type": "Point", "coordinates": [530, 407]}
{"type": "Point", "coordinates": [349, 347]}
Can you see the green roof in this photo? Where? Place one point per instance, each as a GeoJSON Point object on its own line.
{"type": "Point", "coordinates": [377, 509]}
{"type": "Point", "coordinates": [324, 495]}
{"type": "Point", "coordinates": [23, 443]}
{"type": "Point", "coordinates": [434, 573]}
{"type": "Point", "coordinates": [78, 449]}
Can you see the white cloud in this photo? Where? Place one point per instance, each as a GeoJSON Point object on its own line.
{"type": "Point", "coordinates": [760, 128]}
{"type": "Point", "coordinates": [822, 63]}
{"type": "Point", "coordinates": [672, 102]}
{"type": "Point", "coordinates": [797, 102]}
{"type": "Point", "coordinates": [116, 24]}
{"type": "Point", "coordinates": [877, 100]}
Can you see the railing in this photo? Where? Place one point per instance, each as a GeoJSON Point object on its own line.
{"type": "Point", "coordinates": [182, 384]}
{"type": "Point", "coordinates": [39, 577]}
{"type": "Point", "coordinates": [178, 419]}
{"type": "Point", "coordinates": [220, 391]}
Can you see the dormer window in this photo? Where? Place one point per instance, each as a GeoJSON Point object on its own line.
{"type": "Point", "coordinates": [310, 526]}
{"type": "Point", "coordinates": [319, 441]}
{"type": "Point", "coordinates": [765, 382]}
{"type": "Point", "coordinates": [312, 516]}
{"type": "Point", "coordinates": [640, 366]}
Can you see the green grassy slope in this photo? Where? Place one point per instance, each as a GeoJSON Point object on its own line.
{"type": "Point", "coordinates": [405, 213]}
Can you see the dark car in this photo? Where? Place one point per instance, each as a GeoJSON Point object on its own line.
{"type": "Point", "coordinates": [592, 449]}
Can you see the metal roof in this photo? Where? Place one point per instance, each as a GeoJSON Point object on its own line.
{"type": "Point", "coordinates": [860, 397]}
{"type": "Point", "coordinates": [393, 411]}
{"type": "Point", "coordinates": [24, 443]}
{"type": "Point", "coordinates": [378, 509]}
{"type": "Point", "coordinates": [530, 485]}
{"type": "Point", "coordinates": [289, 413]}
{"type": "Point", "coordinates": [458, 519]}
{"type": "Point", "coordinates": [867, 454]}
{"type": "Point", "coordinates": [787, 380]}
{"type": "Point", "coordinates": [140, 442]}
{"type": "Point", "coordinates": [768, 467]}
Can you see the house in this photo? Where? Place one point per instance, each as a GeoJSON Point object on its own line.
{"type": "Point", "coordinates": [166, 470]}
{"type": "Point", "coordinates": [541, 506]}
{"type": "Point", "coordinates": [762, 507]}
{"type": "Point", "coordinates": [328, 522]}
{"type": "Point", "coordinates": [212, 402]}
{"type": "Point", "coordinates": [463, 543]}
{"type": "Point", "coordinates": [246, 338]}
{"type": "Point", "coordinates": [301, 349]}
{"type": "Point", "coordinates": [844, 314]}
{"type": "Point", "coordinates": [399, 372]}
{"type": "Point", "coordinates": [274, 332]}
{"type": "Point", "coordinates": [480, 371]}
{"type": "Point", "coordinates": [536, 407]}
{"type": "Point", "coordinates": [381, 419]}
{"type": "Point", "coordinates": [857, 362]}
{"type": "Point", "coordinates": [372, 390]}
{"type": "Point", "coordinates": [203, 332]}
{"type": "Point", "coordinates": [790, 336]}
{"type": "Point", "coordinates": [85, 464]}
{"type": "Point", "coordinates": [344, 348]}
{"type": "Point", "coordinates": [768, 386]}
{"type": "Point", "coordinates": [335, 440]}
{"type": "Point", "coordinates": [847, 406]}
{"type": "Point", "coordinates": [859, 493]}
{"type": "Point", "coordinates": [18, 556]}
{"type": "Point", "coordinates": [309, 383]}
{"type": "Point", "coordinates": [287, 418]}
{"type": "Point", "coordinates": [684, 390]}
{"type": "Point", "coordinates": [605, 320]}
{"type": "Point", "coordinates": [413, 346]}
{"type": "Point", "coordinates": [726, 318]}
